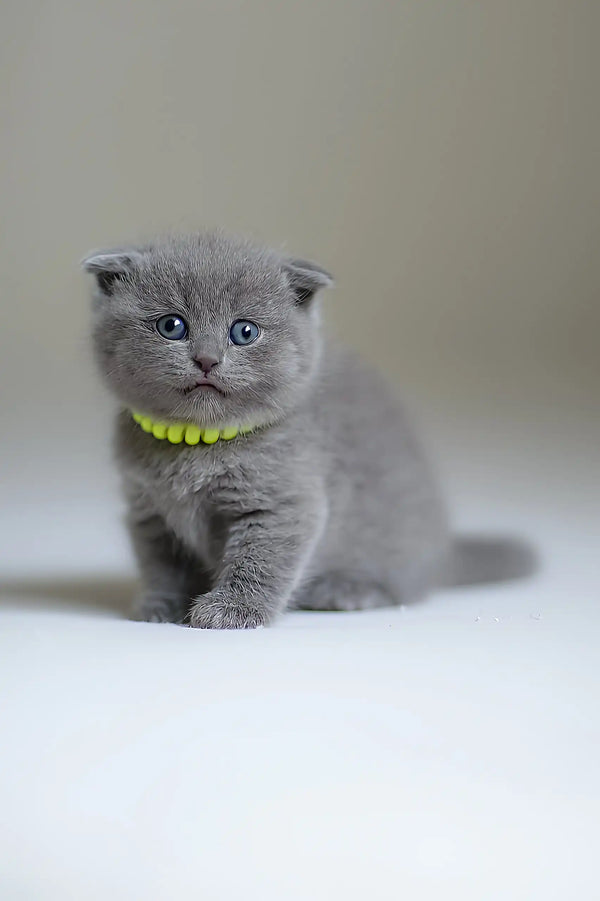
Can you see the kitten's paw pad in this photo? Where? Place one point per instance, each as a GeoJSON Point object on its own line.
{"type": "Point", "coordinates": [214, 612]}
{"type": "Point", "coordinates": [157, 609]}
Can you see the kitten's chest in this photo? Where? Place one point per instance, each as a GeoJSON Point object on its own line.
{"type": "Point", "coordinates": [196, 491]}
{"type": "Point", "coordinates": [189, 516]}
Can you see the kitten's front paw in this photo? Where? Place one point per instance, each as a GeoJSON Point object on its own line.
{"type": "Point", "coordinates": [216, 610]}
{"type": "Point", "coordinates": [156, 608]}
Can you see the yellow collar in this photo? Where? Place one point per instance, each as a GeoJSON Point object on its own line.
{"type": "Point", "coordinates": [176, 432]}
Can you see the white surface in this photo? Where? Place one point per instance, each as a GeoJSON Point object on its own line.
{"type": "Point", "coordinates": [445, 750]}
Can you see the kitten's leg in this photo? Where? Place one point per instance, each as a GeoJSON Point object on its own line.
{"type": "Point", "coordinates": [167, 573]}
{"type": "Point", "coordinates": [264, 555]}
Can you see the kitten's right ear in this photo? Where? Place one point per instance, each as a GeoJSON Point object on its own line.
{"type": "Point", "coordinates": [110, 267]}
{"type": "Point", "coordinates": [306, 278]}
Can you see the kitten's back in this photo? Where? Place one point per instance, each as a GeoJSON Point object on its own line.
{"type": "Point", "coordinates": [385, 509]}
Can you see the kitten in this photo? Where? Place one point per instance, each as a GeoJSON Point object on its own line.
{"type": "Point", "coordinates": [265, 468]}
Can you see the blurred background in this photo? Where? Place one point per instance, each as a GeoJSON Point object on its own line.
{"type": "Point", "coordinates": [440, 158]}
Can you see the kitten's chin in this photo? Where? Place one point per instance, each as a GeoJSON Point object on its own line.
{"type": "Point", "coordinates": [204, 408]}
{"type": "Point", "coordinates": [208, 408]}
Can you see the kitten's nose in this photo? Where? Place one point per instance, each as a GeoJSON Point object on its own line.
{"type": "Point", "coordinates": [206, 363]}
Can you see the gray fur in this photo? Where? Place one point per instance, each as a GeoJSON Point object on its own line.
{"type": "Point", "coordinates": [329, 504]}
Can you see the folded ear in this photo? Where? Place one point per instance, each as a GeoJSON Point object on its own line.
{"type": "Point", "coordinates": [111, 266]}
{"type": "Point", "coordinates": [306, 278]}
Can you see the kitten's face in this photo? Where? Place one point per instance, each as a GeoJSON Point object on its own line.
{"type": "Point", "coordinates": [206, 329]}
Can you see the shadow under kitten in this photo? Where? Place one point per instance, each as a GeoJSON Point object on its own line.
{"type": "Point", "coordinates": [483, 560]}
{"type": "Point", "coordinates": [114, 594]}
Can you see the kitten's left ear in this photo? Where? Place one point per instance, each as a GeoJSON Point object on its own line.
{"type": "Point", "coordinates": [111, 266]}
{"type": "Point", "coordinates": [306, 278]}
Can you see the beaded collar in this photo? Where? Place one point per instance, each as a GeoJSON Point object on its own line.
{"type": "Point", "coordinates": [176, 432]}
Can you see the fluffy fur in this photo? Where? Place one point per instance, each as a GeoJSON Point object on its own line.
{"type": "Point", "coordinates": [329, 504]}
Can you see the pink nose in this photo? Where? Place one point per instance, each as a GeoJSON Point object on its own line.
{"type": "Point", "coordinates": [206, 363]}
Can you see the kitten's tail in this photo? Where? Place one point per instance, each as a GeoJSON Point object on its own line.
{"type": "Point", "coordinates": [479, 560]}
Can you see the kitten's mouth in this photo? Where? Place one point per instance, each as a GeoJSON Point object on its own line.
{"type": "Point", "coordinates": [201, 386]}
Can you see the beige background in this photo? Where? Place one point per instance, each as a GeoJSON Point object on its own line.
{"type": "Point", "coordinates": [440, 158]}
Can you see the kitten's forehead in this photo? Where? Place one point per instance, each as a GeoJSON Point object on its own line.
{"type": "Point", "coordinates": [213, 269]}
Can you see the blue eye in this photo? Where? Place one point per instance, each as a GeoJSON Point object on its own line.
{"type": "Point", "coordinates": [171, 327]}
{"type": "Point", "coordinates": [243, 332]}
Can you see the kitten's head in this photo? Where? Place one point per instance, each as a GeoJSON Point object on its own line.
{"type": "Point", "coordinates": [208, 329]}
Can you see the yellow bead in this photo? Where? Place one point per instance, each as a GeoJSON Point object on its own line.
{"type": "Point", "coordinates": [138, 417]}
{"type": "Point", "coordinates": [209, 436]}
{"type": "Point", "coordinates": [146, 423]}
{"type": "Point", "coordinates": [192, 434]}
{"type": "Point", "coordinates": [229, 433]}
{"type": "Point", "coordinates": [245, 429]}
{"type": "Point", "coordinates": [175, 433]}
{"type": "Point", "coordinates": [159, 430]}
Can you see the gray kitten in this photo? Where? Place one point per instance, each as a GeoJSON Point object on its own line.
{"type": "Point", "coordinates": [266, 468]}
